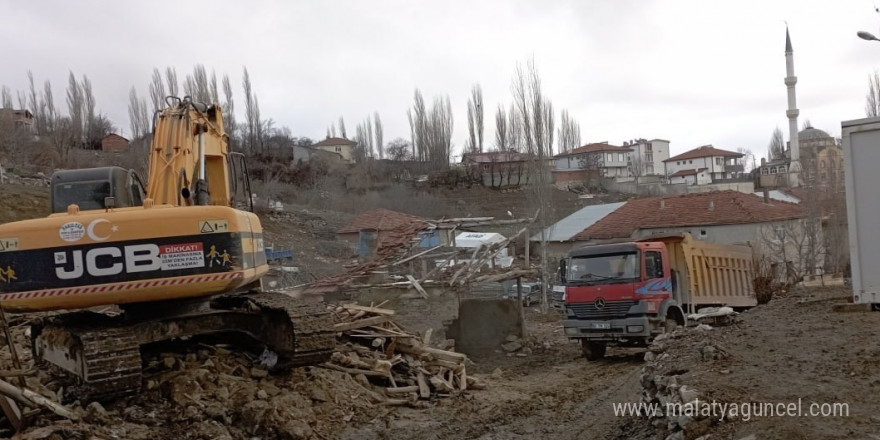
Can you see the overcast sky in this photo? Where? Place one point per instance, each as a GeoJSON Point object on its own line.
{"type": "Point", "coordinates": [692, 72]}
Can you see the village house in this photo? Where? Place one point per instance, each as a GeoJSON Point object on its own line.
{"type": "Point", "coordinates": [392, 227]}
{"type": "Point", "coordinates": [21, 119]}
{"type": "Point", "coordinates": [718, 164]}
{"type": "Point", "coordinates": [647, 156]}
{"type": "Point", "coordinates": [114, 143]}
{"type": "Point", "coordinates": [591, 162]}
{"type": "Point", "coordinates": [775, 228]}
{"type": "Point", "coordinates": [501, 168]}
{"type": "Point", "coordinates": [344, 147]}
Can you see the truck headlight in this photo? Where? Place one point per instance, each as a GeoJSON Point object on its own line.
{"type": "Point", "coordinates": [635, 328]}
{"type": "Point", "coordinates": [571, 331]}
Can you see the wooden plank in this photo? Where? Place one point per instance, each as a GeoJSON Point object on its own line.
{"type": "Point", "coordinates": [373, 310]}
{"type": "Point", "coordinates": [409, 347]}
{"type": "Point", "coordinates": [402, 390]}
{"type": "Point", "coordinates": [427, 338]}
{"type": "Point", "coordinates": [463, 379]}
{"type": "Point", "coordinates": [417, 286]}
{"type": "Point", "coordinates": [353, 370]}
{"type": "Point", "coordinates": [424, 391]}
{"type": "Point", "coordinates": [415, 256]}
{"type": "Point", "coordinates": [366, 322]}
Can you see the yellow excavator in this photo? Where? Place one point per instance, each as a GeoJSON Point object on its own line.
{"type": "Point", "coordinates": [182, 257]}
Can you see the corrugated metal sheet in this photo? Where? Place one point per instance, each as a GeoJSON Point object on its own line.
{"type": "Point", "coordinates": [572, 225]}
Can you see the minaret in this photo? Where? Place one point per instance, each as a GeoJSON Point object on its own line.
{"type": "Point", "coordinates": [794, 167]}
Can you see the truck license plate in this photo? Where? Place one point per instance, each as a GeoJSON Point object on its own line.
{"type": "Point", "coordinates": [600, 325]}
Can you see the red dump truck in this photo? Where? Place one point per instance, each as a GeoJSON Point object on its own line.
{"type": "Point", "coordinates": [628, 293]}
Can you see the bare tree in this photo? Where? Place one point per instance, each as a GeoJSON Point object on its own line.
{"type": "Point", "coordinates": [514, 131]}
{"type": "Point", "coordinates": [5, 97]}
{"type": "Point", "coordinates": [378, 131]}
{"type": "Point", "coordinates": [636, 165]}
{"type": "Point", "coordinates": [806, 124]}
{"type": "Point", "coordinates": [475, 120]}
{"type": "Point", "coordinates": [171, 81]}
{"type": "Point", "coordinates": [502, 143]}
{"type": "Point", "coordinates": [534, 111]}
{"type": "Point", "coordinates": [748, 159]}
{"type": "Point", "coordinates": [229, 111]}
{"type": "Point", "coordinates": [399, 150]}
{"type": "Point", "coordinates": [776, 148]}
{"type": "Point", "coordinates": [213, 93]}
{"type": "Point", "coordinates": [342, 128]}
{"type": "Point", "coordinates": [418, 123]}
{"type": "Point", "coordinates": [252, 114]}
{"type": "Point", "coordinates": [137, 115]}
{"type": "Point", "coordinates": [157, 91]}
{"type": "Point", "coordinates": [471, 144]}
{"type": "Point", "coordinates": [569, 133]}
{"type": "Point", "coordinates": [872, 100]}
{"type": "Point", "coordinates": [93, 132]}
{"type": "Point", "coordinates": [75, 104]}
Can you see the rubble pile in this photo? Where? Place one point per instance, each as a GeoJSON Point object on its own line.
{"type": "Point", "coordinates": [665, 376]}
{"type": "Point", "coordinates": [376, 349]}
{"type": "Point", "coordinates": [222, 392]}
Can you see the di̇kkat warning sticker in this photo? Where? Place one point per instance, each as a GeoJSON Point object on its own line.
{"type": "Point", "coordinates": [213, 226]}
{"type": "Point", "coordinates": [8, 244]}
{"type": "Point", "coordinates": [182, 256]}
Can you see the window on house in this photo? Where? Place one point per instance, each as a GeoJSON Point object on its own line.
{"type": "Point", "coordinates": [339, 149]}
{"type": "Point", "coordinates": [822, 164]}
{"type": "Point", "coordinates": [773, 170]}
{"type": "Point", "coordinates": [704, 233]}
{"type": "Point", "coordinates": [677, 163]}
{"type": "Point", "coordinates": [485, 167]}
{"type": "Point", "coordinates": [719, 161]}
{"type": "Point", "coordinates": [781, 170]}
{"type": "Point", "coordinates": [649, 146]}
{"type": "Point", "coordinates": [649, 157]}
{"type": "Point", "coordinates": [620, 157]}
{"type": "Point", "coordinates": [610, 157]}
{"type": "Point", "coordinates": [690, 161]}
{"type": "Point", "coordinates": [765, 171]}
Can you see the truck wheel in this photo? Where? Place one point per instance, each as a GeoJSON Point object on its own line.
{"type": "Point", "coordinates": [593, 351]}
{"type": "Point", "coordinates": [671, 325]}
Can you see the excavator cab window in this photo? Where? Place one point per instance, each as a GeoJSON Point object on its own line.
{"type": "Point", "coordinates": [90, 188]}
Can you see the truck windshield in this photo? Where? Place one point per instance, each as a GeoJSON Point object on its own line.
{"type": "Point", "coordinates": [604, 268]}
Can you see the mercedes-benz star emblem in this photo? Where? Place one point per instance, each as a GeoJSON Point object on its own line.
{"type": "Point", "coordinates": [600, 303]}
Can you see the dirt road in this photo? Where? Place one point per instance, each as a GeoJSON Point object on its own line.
{"type": "Point", "coordinates": [552, 393]}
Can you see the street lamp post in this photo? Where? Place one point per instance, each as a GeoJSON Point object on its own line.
{"type": "Point", "coordinates": [867, 36]}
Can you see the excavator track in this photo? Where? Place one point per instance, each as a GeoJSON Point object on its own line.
{"type": "Point", "coordinates": [113, 364]}
{"type": "Point", "coordinates": [313, 335]}
{"type": "Point", "coordinates": [104, 351]}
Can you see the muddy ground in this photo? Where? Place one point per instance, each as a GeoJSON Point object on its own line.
{"type": "Point", "coordinates": [794, 347]}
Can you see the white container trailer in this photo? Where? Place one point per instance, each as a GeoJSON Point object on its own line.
{"type": "Point", "coordinates": [861, 148]}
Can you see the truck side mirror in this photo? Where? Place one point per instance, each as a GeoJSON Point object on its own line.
{"type": "Point", "coordinates": [563, 265]}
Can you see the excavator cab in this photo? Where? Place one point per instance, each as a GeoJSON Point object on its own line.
{"type": "Point", "coordinates": [96, 188]}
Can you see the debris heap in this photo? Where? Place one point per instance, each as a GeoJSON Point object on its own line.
{"type": "Point", "coordinates": [374, 347]}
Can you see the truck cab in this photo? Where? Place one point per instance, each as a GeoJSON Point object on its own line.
{"type": "Point", "coordinates": [619, 294]}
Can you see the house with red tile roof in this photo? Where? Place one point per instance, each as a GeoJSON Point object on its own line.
{"type": "Point", "coordinates": [719, 164]}
{"type": "Point", "coordinates": [691, 177]}
{"type": "Point", "coordinates": [341, 146]}
{"type": "Point", "coordinates": [592, 161]}
{"type": "Point", "coordinates": [719, 216]}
